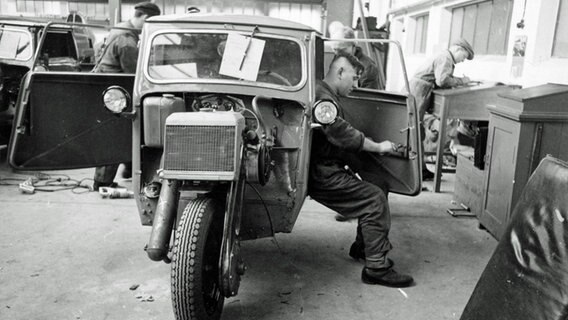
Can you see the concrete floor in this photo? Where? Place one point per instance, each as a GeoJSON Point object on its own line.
{"type": "Point", "coordinates": [75, 256]}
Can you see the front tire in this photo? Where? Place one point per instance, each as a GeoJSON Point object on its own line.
{"type": "Point", "coordinates": [196, 293]}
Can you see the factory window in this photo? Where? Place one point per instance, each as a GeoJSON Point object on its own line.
{"type": "Point", "coordinates": [307, 13]}
{"type": "Point", "coordinates": [560, 47]}
{"type": "Point", "coordinates": [420, 34]}
{"type": "Point", "coordinates": [483, 24]}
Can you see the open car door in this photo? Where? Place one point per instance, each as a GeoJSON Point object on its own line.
{"type": "Point", "coordinates": [61, 122]}
{"type": "Point", "coordinates": [384, 115]}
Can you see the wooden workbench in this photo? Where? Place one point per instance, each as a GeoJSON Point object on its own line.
{"type": "Point", "coordinates": [466, 103]}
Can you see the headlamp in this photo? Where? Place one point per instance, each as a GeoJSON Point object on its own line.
{"type": "Point", "coordinates": [116, 99]}
{"type": "Point", "coordinates": [325, 112]}
{"type": "Point", "coordinates": [40, 68]}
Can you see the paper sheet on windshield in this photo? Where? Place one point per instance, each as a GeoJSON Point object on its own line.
{"type": "Point", "coordinates": [241, 58]}
{"type": "Point", "coordinates": [9, 45]}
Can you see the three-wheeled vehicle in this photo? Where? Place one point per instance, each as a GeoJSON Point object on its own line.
{"type": "Point", "coordinates": [217, 122]}
{"type": "Point", "coordinates": [60, 47]}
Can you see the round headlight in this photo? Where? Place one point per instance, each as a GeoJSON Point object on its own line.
{"type": "Point", "coordinates": [116, 99]}
{"type": "Point", "coordinates": [325, 112]}
{"type": "Point", "coordinates": [40, 68]}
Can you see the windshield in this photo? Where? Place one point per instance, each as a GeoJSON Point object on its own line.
{"type": "Point", "coordinates": [15, 44]}
{"type": "Point", "coordinates": [227, 56]}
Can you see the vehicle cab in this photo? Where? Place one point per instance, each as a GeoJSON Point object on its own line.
{"type": "Point", "coordinates": [63, 48]}
{"type": "Point", "coordinates": [217, 123]}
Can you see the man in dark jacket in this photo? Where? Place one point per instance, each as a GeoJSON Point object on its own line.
{"type": "Point", "coordinates": [333, 186]}
{"type": "Point", "coordinates": [369, 77]}
{"type": "Point", "coordinates": [438, 72]}
{"type": "Point", "coordinates": [119, 54]}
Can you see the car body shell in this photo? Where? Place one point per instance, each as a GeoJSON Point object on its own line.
{"type": "Point", "coordinates": [65, 48]}
{"type": "Point", "coordinates": [196, 129]}
{"type": "Point", "coordinates": [285, 193]}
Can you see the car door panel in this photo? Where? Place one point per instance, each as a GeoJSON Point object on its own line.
{"type": "Point", "coordinates": [61, 122]}
{"type": "Point", "coordinates": [384, 116]}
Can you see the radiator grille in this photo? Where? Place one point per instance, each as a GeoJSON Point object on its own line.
{"type": "Point", "coordinates": [200, 148]}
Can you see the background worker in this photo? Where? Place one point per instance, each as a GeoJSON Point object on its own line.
{"type": "Point", "coordinates": [119, 54]}
{"type": "Point", "coordinates": [438, 72]}
{"type": "Point", "coordinates": [340, 190]}
{"type": "Point", "coordinates": [370, 75]}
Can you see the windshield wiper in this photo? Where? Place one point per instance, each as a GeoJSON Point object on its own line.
{"type": "Point", "coordinates": [254, 30]}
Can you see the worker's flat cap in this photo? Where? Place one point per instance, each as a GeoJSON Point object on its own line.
{"type": "Point", "coordinates": [148, 8]}
{"type": "Point", "coordinates": [466, 46]}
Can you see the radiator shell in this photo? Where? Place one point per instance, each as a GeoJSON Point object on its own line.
{"type": "Point", "coordinates": [203, 146]}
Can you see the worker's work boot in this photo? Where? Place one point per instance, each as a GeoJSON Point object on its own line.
{"type": "Point", "coordinates": [386, 277]}
{"type": "Point", "coordinates": [127, 171]}
{"type": "Point", "coordinates": [427, 175]}
{"type": "Point", "coordinates": [97, 185]}
{"type": "Point", "coordinates": [357, 251]}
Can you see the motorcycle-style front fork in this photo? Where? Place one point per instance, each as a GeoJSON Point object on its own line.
{"type": "Point", "coordinates": [232, 266]}
{"type": "Point", "coordinates": [164, 219]}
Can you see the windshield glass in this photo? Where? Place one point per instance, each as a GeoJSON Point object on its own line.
{"type": "Point", "coordinates": [15, 44]}
{"type": "Point", "coordinates": [183, 56]}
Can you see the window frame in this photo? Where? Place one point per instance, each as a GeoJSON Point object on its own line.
{"type": "Point", "coordinates": [470, 11]}
{"type": "Point", "coordinates": [420, 37]}
{"type": "Point", "coordinates": [557, 28]}
{"type": "Point", "coordinates": [151, 37]}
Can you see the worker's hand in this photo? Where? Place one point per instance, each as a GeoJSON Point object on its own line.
{"type": "Point", "coordinates": [385, 147]}
{"type": "Point", "coordinates": [466, 80]}
{"type": "Point", "coordinates": [388, 147]}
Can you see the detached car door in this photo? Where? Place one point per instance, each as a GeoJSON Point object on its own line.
{"type": "Point", "coordinates": [61, 123]}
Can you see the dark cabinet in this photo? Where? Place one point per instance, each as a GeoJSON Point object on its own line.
{"type": "Point", "coordinates": [524, 126]}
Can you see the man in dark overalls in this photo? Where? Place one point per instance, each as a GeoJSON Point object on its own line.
{"type": "Point", "coordinates": [333, 186]}
{"type": "Point", "coordinates": [119, 54]}
{"type": "Point", "coordinates": [369, 76]}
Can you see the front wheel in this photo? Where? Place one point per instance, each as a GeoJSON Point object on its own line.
{"type": "Point", "coordinates": [196, 293]}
